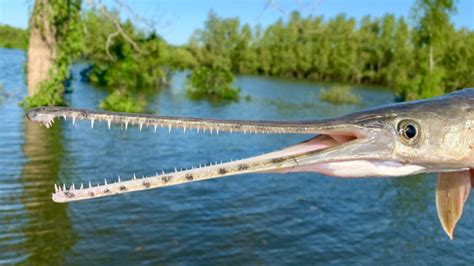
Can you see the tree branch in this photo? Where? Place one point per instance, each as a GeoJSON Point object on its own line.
{"type": "Point", "coordinates": [119, 31]}
{"type": "Point", "coordinates": [107, 44]}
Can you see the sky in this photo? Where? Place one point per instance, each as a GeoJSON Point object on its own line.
{"type": "Point", "coordinates": [175, 20]}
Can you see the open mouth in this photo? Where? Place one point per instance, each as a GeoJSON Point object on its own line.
{"type": "Point", "coordinates": [338, 149]}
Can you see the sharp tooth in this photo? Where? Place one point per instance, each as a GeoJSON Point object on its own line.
{"type": "Point", "coordinates": [126, 125]}
{"type": "Point", "coordinates": [217, 131]}
{"type": "Point", "coordinates": [82, 186]}
{"type": "Point", "coordinates": [155, 127]}
{"type": "Point", "coordinates": [175, 170]}
{"type": "Point", "coordinates": [141, 126]}
{"type": "Point", "coordinates": [64, 116]}
{"type": "Point", "coordinates": [90, 184]}
{"type": "Point", "coordinates": [74, 120]}
{"type": "Point", "coordinates": [109, 121]}
{"type": "Point", "coordinates": [105, 181]}
{"type": "Point", "coordinates": [64, 187]}
{"type": "Point", "coordinates": [134, 176]}
{"type": "Point", "coordinates": [184, 129]}
{"type": "Point", "coordinates": [73, 187]}
{"type": "Point", "coordinates": [55, 188]}
{"type": "Point", "coordinates": [92, 123]}
{"type": "Point", "coordinates": [119, 179]}
{"type": "Point", "coordinates": [198, 130]}
{"type": "Point", "coordinates": [211, 130]}
{"type": "Point", "coordinates": [169, 129]}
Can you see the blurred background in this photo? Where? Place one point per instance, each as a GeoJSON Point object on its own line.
{"type": "Point", "coordinates": [268, 59]}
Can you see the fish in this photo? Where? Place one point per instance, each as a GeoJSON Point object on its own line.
{"type": "Point", "coordinates": [433, 135]}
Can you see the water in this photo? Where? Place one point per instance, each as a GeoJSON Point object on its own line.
{"type": "Point", "coordinates": [247, 219]}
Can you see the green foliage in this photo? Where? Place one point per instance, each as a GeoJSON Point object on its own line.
{"type": "Point", "coordinates": [64, 17]}
{"type": "Point", "coordinates": [50, 92]}
{"type": "Point", "coordinates": [131, 70]}
{"type": "Point", "coordinates": [339, 95]}
{"type": "Point", "coordinates": [117, 63]}
{"type": "Point", "coordinates": [433, 41]}
{"type": "Point", "coordinates": [426, 60]}
{"type": "Point", "coordinates": [432, 20]}
{"type": "Point", "coordinates": [219, 41]}
{"type": "Point", "coordinates": [212, 82]}
{"type": "Point", "coordinates": [144, 63]}
{"type": "Point", "coordinates": [181, 59]}
{"type": "Point", "coordinates": [11, 37]}
{"type": "Point", "coordinates": [381, 50]}
{"type": "Point", "coordinates": [422, 86]}
{"type": "Point", "coordinates": [123, 101]}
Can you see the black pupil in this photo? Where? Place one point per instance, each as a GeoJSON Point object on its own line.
{"type": "Point", "coordinates": [410, 131]}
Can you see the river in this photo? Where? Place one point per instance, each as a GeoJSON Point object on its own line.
{"type": "Point", "coordinates": [253, 219]}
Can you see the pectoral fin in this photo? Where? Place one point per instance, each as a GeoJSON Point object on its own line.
{"type": "Point", "coordinates": [452, 190]}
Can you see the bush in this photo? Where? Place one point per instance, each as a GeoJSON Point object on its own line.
{"type": "Point", "coordinates": [213, 82]}
{"type": "Point", "coordinates": [123, 101]}
{"type": "Point", "coordinates": [50, 91]}
{"type": "Point", "coordinates": [339, 95]}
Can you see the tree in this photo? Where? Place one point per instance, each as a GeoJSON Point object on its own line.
{"type": "Point", "coordinates": [55, 40]}
{"type": "Point", "coordinates": [244, 58]}
{"type": "Point", "coordinates": [433, 24]}
{"type": "Point", "coordinates": [430, 37]}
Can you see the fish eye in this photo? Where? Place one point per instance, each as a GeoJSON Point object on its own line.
{"type": "Point", "coordinates": [409, 131]}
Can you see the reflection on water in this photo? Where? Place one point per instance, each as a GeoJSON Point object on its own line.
{"type": "Point", "coordinates": [299, 218]}
{"type": "Point", "coordinates": [48, 231]}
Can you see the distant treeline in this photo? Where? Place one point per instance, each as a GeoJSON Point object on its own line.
{"type": "Point", "coordinates": [11, 37]}
{"type": "Point", "coordinates": [382, 50]}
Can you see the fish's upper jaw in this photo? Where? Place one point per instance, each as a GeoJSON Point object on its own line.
{"type": "Point", "coordinates": [46, 119]}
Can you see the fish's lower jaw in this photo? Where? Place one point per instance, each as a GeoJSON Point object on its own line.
{"type": "Point", "coordinates": [201, 172]}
